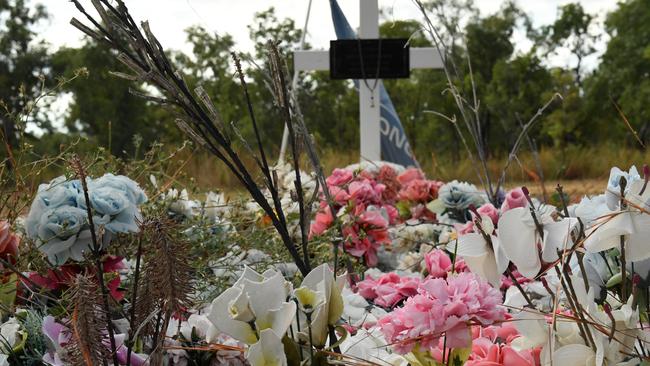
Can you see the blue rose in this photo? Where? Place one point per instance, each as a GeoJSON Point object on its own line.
{"type": "Point", "coordinates": [59, 192]}
{"type": "Point", "coordinates": [114, 210]}
{"type": "Point", "coordinates": [62, 233]}
{"type": "Point", "coordinates": [457, 195]}
{"type": "Point", "coordinates": [121, 184]}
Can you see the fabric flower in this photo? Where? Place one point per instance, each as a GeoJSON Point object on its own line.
{"type": "Point", "coordinates": [339, 177]}
{"type": "Point", "coordinates": [442, 307]}
{"type": "Point", "coordinates": [515, 198]}
{"type": "Point", "coordinates": [409, 175]}
{"type": "Point", "coordinates": [457, 195]}
{"type": "Point", "coordinates": [438, 263]}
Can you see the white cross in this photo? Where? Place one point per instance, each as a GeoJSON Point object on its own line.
{"type": "Point", "coordinates": [369, 102]}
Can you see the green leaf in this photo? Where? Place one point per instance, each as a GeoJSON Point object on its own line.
{"type": "Point", "coordinates": [291, 351]}
{"type": "Point", "coordinates": [8, 291]}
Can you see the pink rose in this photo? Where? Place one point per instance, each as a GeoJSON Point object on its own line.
{"type": "Point", "coordinates": [339, 177]}
{"type": "Point", "coordinates": [515, 198]}
{"type": "Point", "coordinates": [419, 190]}
{"type": "Point", "coordinates": [322, 222]}
{"type": "Point", "coordinates": [486, 353]}
{"type": "Point", "coordinates": [438, 263]}
{"type": "Point", "coordinates": [490, 211]}
{"type": "Point", "coordinates": [409, 175]}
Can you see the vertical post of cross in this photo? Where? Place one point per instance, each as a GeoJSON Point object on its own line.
{"type": "Point", "coordinates": [369, 103]}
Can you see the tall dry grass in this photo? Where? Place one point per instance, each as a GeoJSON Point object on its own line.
{"type": "Point", "coordinates": [584, 168]}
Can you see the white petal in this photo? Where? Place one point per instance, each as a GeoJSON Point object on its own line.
{"type": "Point", "coordinates": [268, 351]}
{"type": "Point", "coordinates": [486, 267]}
{"type": "Point", "coordinates": [471, 245]}
{"type": "Point", "coordinates": [265, 295]}
{"type": "Point", "coordinates": [557, 236]}
{"type": "Point", "coordinates": [518, 240]}
{"type": "Point", "coordinates": [637, 247]}
{"type": "Point", "coordinates": [574, 355]}
{"type": "Point", "coordinates": [220, 317]}
{"type": "Point", "coordinates": [605, 234]}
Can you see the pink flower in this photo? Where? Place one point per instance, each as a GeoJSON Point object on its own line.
{"type": "Point", "coordinates": [365, 235]}
{"type": "Point", "coordinates": [419, 190]}
{"type": "Point", "coordinates": [366, 191]}
{"type": "Point", "coordinates": [339, 195]}
{"type": "Point", "coordinates": [515, 198]}
{"type": "Point", "coordinates": [421, 212]}
{"type": "Point", "coordinates": [388, 177]}
{"type": "Point", "coordinates": [8, 243]}
{"type": "Point", "coordinates": [322, 222]}
{"type": "Point", "coordinates": [486, 353]}
{"type": "Point", "coordinates": [438, 263]}
{"type": "Point", "coordinates": [409, 175]}
{"type": "Point", "coordinates": [490, 211]}
{"type": "Point", "coordinates": [389, 289]}
{"type": "Point", "coordinates": [393, 213]}
{"type": "Point", "coordinates": [339, 177]}
{"type": "Point", "coordinates": [443, 307]}
{"type": "Point", "coordinates": [466, 228]}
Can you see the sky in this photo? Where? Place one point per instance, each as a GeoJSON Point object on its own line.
{"type": "Point", "coordinates": [168, 18]}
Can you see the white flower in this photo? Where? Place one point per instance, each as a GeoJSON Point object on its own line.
{"type": "Point", "coordinates": [518, 237]}
{"type": "Point", "coordinates": [11, 335]}
{"type": "Point", "coordinates": [633, 223]}
{"type": "Point", "coordinates": [268, 351]}
{"type": "Point", "coordinates": [591, 208]}
{"type": "Point", "coordinates": [483, 257]}
{"type": "Point", "coordinates": [357, 311]}
{"type": "Point", "coordinates": [321, 280]}
{"type": "Point", "coordinates": [216, 205]}
{"type": "Point", "coordinates": [613, 192]}
{"type": "Point", "coordinates": [255, 303]}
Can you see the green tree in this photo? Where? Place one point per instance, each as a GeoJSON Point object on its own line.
{"type": "Point", "coordinates": [103, 107]}
{"type": "Point", "coordinates": [23, 65]}
{"type": "Point", "coordinates": [623, 76]}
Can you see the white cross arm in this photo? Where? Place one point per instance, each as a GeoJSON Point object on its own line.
{"type": "Point", "coordinates": [311, 60]}
{"type": "Point", "coordinates": [420, 58]}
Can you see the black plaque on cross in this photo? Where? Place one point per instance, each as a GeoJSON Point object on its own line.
{"type": "Point", "coordinates": [369, 59]}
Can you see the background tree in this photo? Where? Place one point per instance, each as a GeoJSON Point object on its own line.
{"type": "Point", "coordinates": [23, 65]}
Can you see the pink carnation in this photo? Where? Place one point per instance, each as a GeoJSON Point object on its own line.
{"type": "Point", "coordinates": [443, 307]}
{"type": "Point", "coordinates": [389, 289]}
{"type": "Point", "coordinates": [515, 198]}
{"type": "Point", "coordinates": [409, 175]}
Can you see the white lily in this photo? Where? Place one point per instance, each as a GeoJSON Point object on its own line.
{"type": "Point", "coordinates": [321, 280]}
{"type": "Point", "coordinates": [519, 238]}
{"type": "Point", "coordinates": [633, 223]}
{"type": "Point", "coordinates": [268, 351]}
{"type": "Point", "coordinates": [370, 345]}
{"type": "Point", "coordinates": [255, 303]}
{"type": "Point", "coordinates": [483, 257]}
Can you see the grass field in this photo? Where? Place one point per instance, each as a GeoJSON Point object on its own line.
{"type": "Point", "coordinates": [580, 170]}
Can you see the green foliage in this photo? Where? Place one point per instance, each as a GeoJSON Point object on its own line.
{"type": "Point", "coordinates": [510, 84]}
{"type": "Point", "coordinates": [23, 65]}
